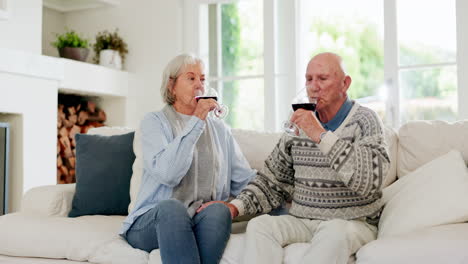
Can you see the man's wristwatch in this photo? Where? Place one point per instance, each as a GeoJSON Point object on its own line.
{"type": "Point", "coordinates": [322, 135]}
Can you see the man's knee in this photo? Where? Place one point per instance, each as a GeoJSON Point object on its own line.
{"type": "Point", "coordinates": [261, 224]}
{"type": "Point", "coordinates": [338, 230]}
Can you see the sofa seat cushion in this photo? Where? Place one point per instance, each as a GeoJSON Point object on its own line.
{"type": "Point", "coordinates": [87, 238]}
{"type": "Point", "coordinates": [434, 245]}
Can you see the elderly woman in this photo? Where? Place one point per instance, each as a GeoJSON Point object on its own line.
{"type": "Point", "coordinates": [190, 158]}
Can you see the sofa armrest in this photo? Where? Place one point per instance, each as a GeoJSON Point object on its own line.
{"type": "Point", "coordinates": [49, 200]}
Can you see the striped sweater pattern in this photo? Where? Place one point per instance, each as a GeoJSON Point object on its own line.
{"type": "Point", "coordinates": [344, 183]}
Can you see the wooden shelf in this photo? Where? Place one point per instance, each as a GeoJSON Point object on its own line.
{"type": "Point", "coordinates": [76, 5]}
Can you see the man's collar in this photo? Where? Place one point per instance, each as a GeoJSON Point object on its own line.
{"type": "Point", "coordinates": [340, 116]}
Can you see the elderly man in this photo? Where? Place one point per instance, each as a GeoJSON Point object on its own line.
{"type": "Point", "coordinates": [333, 172]}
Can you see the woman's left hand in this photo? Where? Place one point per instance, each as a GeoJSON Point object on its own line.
{"type": "Point", "coordinates": [231, 207]}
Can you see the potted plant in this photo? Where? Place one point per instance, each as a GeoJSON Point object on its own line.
{"type": "Point", "coordinates": [110, 49]}
{"type": "Point", "coordinates": [72, 46]}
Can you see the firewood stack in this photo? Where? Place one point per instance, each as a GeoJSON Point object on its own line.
{"type": "Point", "coordinates": [74, 115]}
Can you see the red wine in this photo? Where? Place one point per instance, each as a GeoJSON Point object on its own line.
{"type": "Point", "coordinates": [305, 106]}
{"type": "Point", "coordinates": [206, 97]}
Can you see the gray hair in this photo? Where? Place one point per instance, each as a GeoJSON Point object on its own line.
{"type": "Point", "coordinates": [172, 71]}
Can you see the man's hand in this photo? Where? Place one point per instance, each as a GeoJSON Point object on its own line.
{"type": "Point", "coordinates": [204, 106]}
{"type": "Point", "coordinates": [232, 208]}
{"type": "Point", "coordinates": [308, 122]}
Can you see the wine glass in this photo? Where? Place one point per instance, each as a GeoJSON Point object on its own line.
{"type": "Point", "coordinates": [221, 110]}
{"type": "Point", "coordinates": [300, 101]}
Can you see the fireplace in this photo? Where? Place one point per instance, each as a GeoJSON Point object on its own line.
{"type": "Point", "coordinates": [4, 150]}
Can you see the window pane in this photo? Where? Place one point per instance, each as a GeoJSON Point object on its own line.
{"type": "Point", "coordinates": [354, 30]}
{"type": "Point", "coordinates": [426, 31]}
{"type": "Point", "coordinates": [245, 99]}
{"type": "Point", "coordinates": [376, 103]}
{"type": "Point", "coordinates": [242, 38]}
{"type": "Point", "coordinates": [429, 94]}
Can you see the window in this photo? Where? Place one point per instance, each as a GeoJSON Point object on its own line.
{"type": "Point", "coordinates": [4, 12]}
{"type": "Point", "coordinates": [427, 60]}
{"type": "Point", "coordinates": [234, 52]}
{"type": "Point", "coordinates": [353, 29]}
{"type": "Point", "coordinates": [406, 58]}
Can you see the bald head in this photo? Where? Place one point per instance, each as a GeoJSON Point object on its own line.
{"type": "Point", "coordinates": [332, 61]}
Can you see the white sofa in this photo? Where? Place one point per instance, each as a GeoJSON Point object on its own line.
{"type": "Point", "coordinates": [41, 232]}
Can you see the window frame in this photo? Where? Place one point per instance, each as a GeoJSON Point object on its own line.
{"type": "Point", "coordinates": [4, 9]}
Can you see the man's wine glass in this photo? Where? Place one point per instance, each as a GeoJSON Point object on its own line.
{"type": "Point", "coordinates": [209, 93]}
{"type": "Point", "coordinates": [301, 100]}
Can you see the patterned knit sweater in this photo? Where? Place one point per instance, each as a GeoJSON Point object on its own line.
{"type": "Point", "coordinates": [339, 178]}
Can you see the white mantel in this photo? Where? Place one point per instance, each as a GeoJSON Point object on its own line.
{"type": "Point", "coordinates": [29, 87]}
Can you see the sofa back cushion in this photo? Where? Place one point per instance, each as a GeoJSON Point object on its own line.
{"type": "Point", "coordinates": [422, 141]}
{"type": "Point", "coordinates": [391, 138]}
{"type": "Point", "coordinates": [255, 145]}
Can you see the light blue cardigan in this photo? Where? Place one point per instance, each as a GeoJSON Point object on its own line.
{"type": "Point", "coordinates": [166, 160]}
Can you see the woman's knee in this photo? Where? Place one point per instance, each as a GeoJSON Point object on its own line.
{"type": "Point", "coordinates": [171, 209]}
{"type": "Point", "coordinates": [218, 212]}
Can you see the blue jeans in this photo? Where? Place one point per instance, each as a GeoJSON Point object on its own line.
{"type": "Point", "coordinates": [181, 239]}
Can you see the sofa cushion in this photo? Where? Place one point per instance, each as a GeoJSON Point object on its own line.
{"type": "Point", "coordinates": [434, 194]}
{"type": "Point", "coordinates": [103, 171]}
{"type": "Point", "coordinates": [49, 200]}
{"type": "Point", "coordinates": [391, 139]}
{"type": "Point", "coordinates": [137, 168]}
{"type": "Point", "coordinates": [422, 141]}
{"type": "Point", "coordinates": [255, 145]}
{"type": "Point", "coordinates": [435, 245]}
{"type": "Point", "coordinates": [90, 238]}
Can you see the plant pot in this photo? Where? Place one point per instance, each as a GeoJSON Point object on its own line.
{"type": "Point", "coordinates": [110, 58]}
{"type": "Point", "coordinates": [79, 54]}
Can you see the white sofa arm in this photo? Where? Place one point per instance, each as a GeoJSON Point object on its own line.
{"type": "Point", "coordinates": [49, 200]}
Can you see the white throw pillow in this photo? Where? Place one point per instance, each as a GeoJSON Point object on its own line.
{"type": "Point", "coordinates": [434, 194]}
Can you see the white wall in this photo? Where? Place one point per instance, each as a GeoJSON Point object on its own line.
{"type": "Point", "coordinates": [31, 106]}
{"type": "Point", "coordinates": [52, 23]}
{"type": "Point", "coordinates": [22, 30]}
{"type": "Point", "coordinates": [153, 32]}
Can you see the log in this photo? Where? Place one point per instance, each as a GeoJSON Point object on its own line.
{"type": "Point", "coordinates": [63, 132]}
{"type": "Point", "coordinates": [73, 131]}
{"type": "Point", "coordinates": [71, 176]}
{"type": "Point", "coordinates": [91, 107]}
{"type": "Point", "coordinates": [82, 117]}
{"type": "Point", "coordinates": [59, 161]}
{"type": "Point", "coordinates": [73, 119]}
{"type": "Point", "coordinates": [71, 110]}
{"type": "Point", "coordinates": [60, 179]}
{"type": "Point", "coordinates": [65, 147]}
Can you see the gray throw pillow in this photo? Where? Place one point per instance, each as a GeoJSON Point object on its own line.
{"type": "Point", "coordinates": [103, 172]}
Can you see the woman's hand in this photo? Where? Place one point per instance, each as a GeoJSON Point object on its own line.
{"type": "Point", "coordinates": [232, 208]}
{"type": "Point", "coordinates": [204, 106]}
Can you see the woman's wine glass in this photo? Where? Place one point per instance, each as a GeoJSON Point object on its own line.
{"type": "Point", "coordinates": [209, 93]}
{"type": "Point", "coordinates": [300, 101]}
